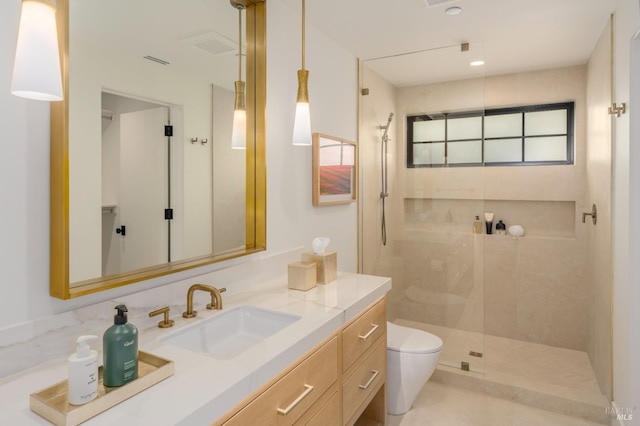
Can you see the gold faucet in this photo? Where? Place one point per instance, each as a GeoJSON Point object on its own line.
{"type": "Point", "coordinates": [166, 322]}
{"type": "Point", "coordinates": [216, 299]}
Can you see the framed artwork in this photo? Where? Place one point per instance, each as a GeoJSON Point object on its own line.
{"type": "Point", "coordinates": [334, 170]}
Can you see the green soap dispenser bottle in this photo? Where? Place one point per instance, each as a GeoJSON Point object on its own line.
{"type": "Point", "coordinates": [120, 350]}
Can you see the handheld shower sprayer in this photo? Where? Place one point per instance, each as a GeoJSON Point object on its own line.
{"type": "Point", "coordinates": [386, 127]}
{"type": "Point", "coordinates": [383, 162]}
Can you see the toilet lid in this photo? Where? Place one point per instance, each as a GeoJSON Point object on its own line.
{"type": "Point", "coordinates": [410, 340]}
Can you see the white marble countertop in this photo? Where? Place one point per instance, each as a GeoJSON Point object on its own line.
{"type": "Point", "coordinates": [204, 388]}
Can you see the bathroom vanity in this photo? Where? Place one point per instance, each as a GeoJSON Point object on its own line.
{"type": "Point", "coordinates": [327, 367]}
{"type": "Point", "coordinates": [338, 382]}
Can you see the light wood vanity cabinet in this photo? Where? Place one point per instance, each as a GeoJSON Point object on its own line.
{"type": "Point", "coordinates": [364, 367]}
{"type": "Point", "coordinates": [329, 414]}
{"type": "Point", "coordinates": [361, 333]}
{"type": "Point", "coordinates": [339, 382]}
{"type": "Point", "coordinates": [290, 397]}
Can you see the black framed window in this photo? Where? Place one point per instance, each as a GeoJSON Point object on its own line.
{"type": "Point", "coordinates": [528, 135]}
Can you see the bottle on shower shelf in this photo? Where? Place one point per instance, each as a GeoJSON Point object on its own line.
{"type": "Point", "coordinates": [477, 225]}
{"type": "Point", "coordinates": [488, 220]}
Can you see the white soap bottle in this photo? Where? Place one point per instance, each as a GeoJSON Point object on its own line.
{"type": "Point", "coordinates": [83, 372]}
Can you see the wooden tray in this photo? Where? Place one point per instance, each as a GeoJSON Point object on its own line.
{"type": "Point", "coordinates": [52, 402]}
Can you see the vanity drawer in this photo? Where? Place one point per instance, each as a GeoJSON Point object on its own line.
{"type": "Point", "coordinates": [365, 380]}
{"type": "Point", "coordinates": [292, 395]}
{"type": "Point", "coordinates": [362, 333]}
{"type": "Point", "coordinates": [329, 415]}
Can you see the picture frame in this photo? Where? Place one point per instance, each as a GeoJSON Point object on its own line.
{"type": "Point", "coordinates": [335, 170]}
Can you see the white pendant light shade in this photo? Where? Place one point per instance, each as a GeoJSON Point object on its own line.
{"type": "Point", "coordinates": [36, 70]}
{"type": "Point", "coordinates": [302, 125]}
{"type": "Point", "coordinates": [302, 119]}
{"type": "Point", "coordinates": [239, 132]}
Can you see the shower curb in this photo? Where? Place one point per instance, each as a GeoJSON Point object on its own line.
{"type": "Point", "coordinates": [477, 382]}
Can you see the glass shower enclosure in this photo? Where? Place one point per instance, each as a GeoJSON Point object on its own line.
{"type": "Point", "coordinates": [418, 198]}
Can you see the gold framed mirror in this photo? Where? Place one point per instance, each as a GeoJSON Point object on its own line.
{"type": "Point", "coordinates": [61, 159]}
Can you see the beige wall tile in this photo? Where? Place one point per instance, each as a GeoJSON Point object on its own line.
{"type": "Point", "coordinates": [530, 288]}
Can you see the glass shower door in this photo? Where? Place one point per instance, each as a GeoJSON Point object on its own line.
{"type": "Point", "coordinates": [416, 191]}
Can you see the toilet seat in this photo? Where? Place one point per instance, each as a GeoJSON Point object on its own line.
{"type": "Point", "coordinates": [410, 340]}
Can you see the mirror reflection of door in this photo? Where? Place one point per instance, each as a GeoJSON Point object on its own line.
{"type": "Point", "coordinates": [135, 184]}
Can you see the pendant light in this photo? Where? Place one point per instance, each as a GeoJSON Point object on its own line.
{"type": "Point", "coordinates": [302, 120]}
{"type": "Point", "coordinates": [36, 70]}
{"type": "Point", "coordinates": [239, 132]}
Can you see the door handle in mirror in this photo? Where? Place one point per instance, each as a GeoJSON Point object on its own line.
{"type": "Point", "coordinates": [593, 214]}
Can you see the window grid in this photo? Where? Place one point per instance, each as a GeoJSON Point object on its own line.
{"type": "Point", "coordinates": [567, 106]}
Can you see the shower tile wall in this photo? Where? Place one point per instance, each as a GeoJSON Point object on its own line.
{"type": "Point", "coordinates": [532, 288]}
{"type": "Point", "coordinates": [535, 290]}
{"type": "Point", "coordinates": [529, 288]}
{"type": "Point", "coordinates": [439, 285]}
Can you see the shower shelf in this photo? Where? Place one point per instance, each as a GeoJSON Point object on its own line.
{"type": "Point", "coordinates": [540, 218]}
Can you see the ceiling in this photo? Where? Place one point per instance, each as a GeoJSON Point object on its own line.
{"type": "Point", "coordinates": [509, 35]}
{"type": "Point", "coordinates": [198, 37]}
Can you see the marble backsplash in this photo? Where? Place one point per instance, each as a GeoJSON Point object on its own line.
{"type": "Point", "coordinates": [52, 338]}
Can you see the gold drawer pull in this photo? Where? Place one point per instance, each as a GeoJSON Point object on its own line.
{"type": "Point", "coordinates": [303, 395]}
{"type": "Point", "coordinates": [373, 377]}
{"type": "Point", "coordinates": [374, 327]}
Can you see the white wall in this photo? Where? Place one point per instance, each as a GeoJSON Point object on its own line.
{"type": "Point", "coordinates": [292, 221]}
{"type": "Point", "coordinates": [291, 218]}
{"type": "Point", "coordinates": [24, 189]}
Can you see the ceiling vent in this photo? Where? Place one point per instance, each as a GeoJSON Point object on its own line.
{"type": "Point", "coordinates": [213, 43]}
{"type": "Point", "coordinates": [431, 3]}
{"type": "Point", "coordinates": [154, 59]}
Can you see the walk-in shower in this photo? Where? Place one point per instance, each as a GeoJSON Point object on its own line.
{"type": "Point", "coordinates": [509, 310]}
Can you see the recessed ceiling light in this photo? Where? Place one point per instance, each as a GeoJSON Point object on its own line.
{"type": "Point", "coordinates": [477, 63]}
{"type": "Point", "coordinates": [454, 10]}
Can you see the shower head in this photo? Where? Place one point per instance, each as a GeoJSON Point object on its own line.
{"type": "Point", "coordinates": [386, 127]}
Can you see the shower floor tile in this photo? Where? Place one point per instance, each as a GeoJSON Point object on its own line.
{"type": "Point", "coordinates": [534, 374]}
{"type": "Point", "coordinates": [439, 404]}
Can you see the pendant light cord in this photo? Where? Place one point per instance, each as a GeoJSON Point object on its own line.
{"type": "Point", "coordinates": [239, 44]}
{"type": "Point", "coordinates": [303, 31]}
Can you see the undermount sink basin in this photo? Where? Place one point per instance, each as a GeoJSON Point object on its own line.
{"type": "Point", "coordinates": [232, 331]}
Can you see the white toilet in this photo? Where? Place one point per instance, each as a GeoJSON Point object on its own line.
{"type": "Point", "coordinates": [412, 356]}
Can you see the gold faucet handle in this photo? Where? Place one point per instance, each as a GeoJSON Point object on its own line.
{"type": "Point", "coordinates": [214, 303]}
{"type": "Point", "coordinates": [166, 322]}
